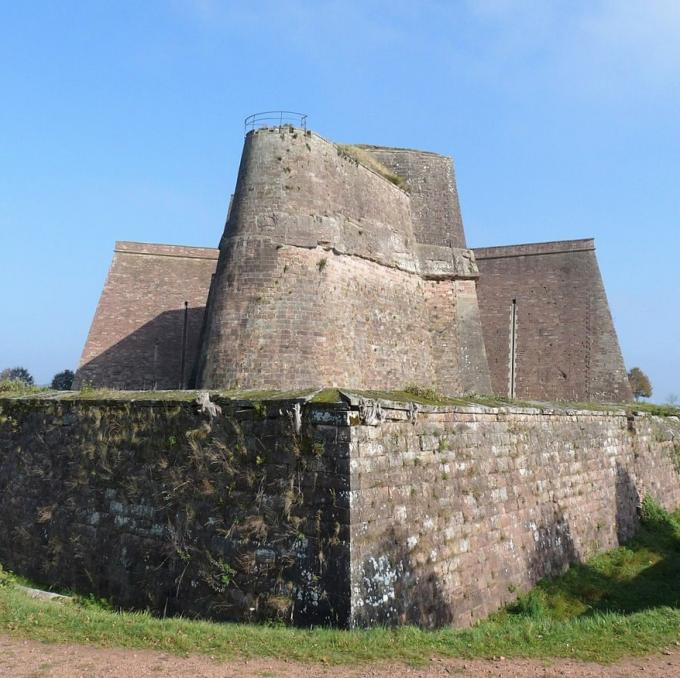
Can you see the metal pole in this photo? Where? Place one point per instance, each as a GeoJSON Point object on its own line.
{"type": "Point", "coordinates": [513, 348]}
{"type": "Point", "coordinates": [155, 364]}
{"type": "Point", "coordinates": [184, 345]}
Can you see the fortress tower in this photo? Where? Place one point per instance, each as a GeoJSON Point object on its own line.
{"type": "Point", "coordinates": [329, 274]}
{"type": "Point", "coordinates": [347, 266]}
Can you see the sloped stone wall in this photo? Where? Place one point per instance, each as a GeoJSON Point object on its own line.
{"type": "Point", "coordinates": [434, 196]}
{"type": "Point", "coordinates": [353, 513]}
{"type": "Point", "coordinates": [565, 343]}
{"type": "Point", "coordinates": [455, 512]}
{"type": "Point", "coordinates": [136, 337]}
{"type": "Point", "coordinates": [321, 279]}
{"type": "Point", "coordinates": [153, 504]}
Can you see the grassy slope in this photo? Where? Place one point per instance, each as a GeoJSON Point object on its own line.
{"type": "Point", "coordinates": [624, 602]}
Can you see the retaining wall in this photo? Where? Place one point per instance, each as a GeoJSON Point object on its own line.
{"type": "Point", "coordinates": [351, 513]}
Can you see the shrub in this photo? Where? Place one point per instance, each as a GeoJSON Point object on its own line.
{"type": "Point", "coordinates": [63, 381]}
{"type": "Point", "coordinates": [639, 383]}
{"type": "Point", "coordinates": [421, 392]}
{"type": "Point", "coordinates": [653, 514]}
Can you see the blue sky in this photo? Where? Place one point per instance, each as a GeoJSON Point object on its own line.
{"type": "Point", "coordinates": [123, 120]}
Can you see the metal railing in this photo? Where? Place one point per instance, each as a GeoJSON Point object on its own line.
{"type": "Point", "coordinates": [275, 119]}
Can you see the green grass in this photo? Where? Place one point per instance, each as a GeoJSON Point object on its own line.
{"type": "Point", "coordinates": [409, 393]}
{"type": "Point", "coordinates": [10, 387]}
{"type": "Point", "coordinates": [624, 602]}
{"type": "Point", "coordinates": [634, 578]}
{"type": "Point", "coordinates": [327, 396]}
{"type": "Point", "coordinates": [95, 394]}
{"type": "Point", "coordinates": [653, 408]}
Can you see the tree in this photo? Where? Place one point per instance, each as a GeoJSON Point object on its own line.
{"type": "Point", "coordinates": [17, 374]}
{"type": "Point", "coordinates": [639, 383]}
{"type": "Point", "coordinates": [63, 381]}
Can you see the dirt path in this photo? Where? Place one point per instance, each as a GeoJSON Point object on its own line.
{"type": "Point", "coordinates": [24, 658]}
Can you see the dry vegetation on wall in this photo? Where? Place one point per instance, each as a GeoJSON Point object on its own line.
{"type": "Point", "coordinates": [141, 505]}
{"type": "Point", "coordinates": [364, 158]}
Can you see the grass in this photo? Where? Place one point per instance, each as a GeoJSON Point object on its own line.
{"type": "Point", "coordinates": [635, 578]}
{"type": "Point", "coordinates": [9, 387]}
{"type": "Point", "coordinates": [409, 393]}
{"type": "Point", "coordinates": [653, 408]}
{"type": "Point", "coordinates": [327, 396]}
{"type": "Point", "coordinates": [624, 602]}
{"type": "Point", "coordinates": [95, 394]}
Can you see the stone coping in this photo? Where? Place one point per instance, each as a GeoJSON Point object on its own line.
{"type": "Point", "coordinates": [534, 249]}
{"type": "Point", "coordinates": [348, 401]}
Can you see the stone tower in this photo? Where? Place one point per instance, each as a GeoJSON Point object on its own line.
{"type": "Point", "coordinates": [329, 273]}
{"type": "Point", "coordinates": [347, 266]}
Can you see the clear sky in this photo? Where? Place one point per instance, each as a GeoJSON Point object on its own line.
{"type": "Point", "coordinates": [123, 120]}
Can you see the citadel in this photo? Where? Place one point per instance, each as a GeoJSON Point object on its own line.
{"type": "Point", "coordinates": [348, 266]}
{"type": "Point", "coordinates": [301, 484]}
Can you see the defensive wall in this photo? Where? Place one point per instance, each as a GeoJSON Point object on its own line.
{"type": "Point", "coordinates": [548, 330]}
{"type": "Point", "coordinates": [137, 335]}
{"type": "Point", "coordinates": [352, 512]}
{"type": "Point", "coordinates": [325, 278]}
{"type": "Point", "coordinates": [330, 274]}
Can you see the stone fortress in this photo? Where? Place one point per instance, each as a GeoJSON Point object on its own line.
{"type": "Point", "coordinates": [348, 266]}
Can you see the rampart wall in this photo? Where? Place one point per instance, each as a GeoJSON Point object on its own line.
{"type": "Point", "coordinates": [351, 513]}
{"type": "Point", "coordinates": [135, 340]}
{"type": "Point", "coordinates": [155, 505]}
{"type": "Point", "coordinates": [328, 274]}
{"type": "Point", "coordinates": [565, 344]}
{"type": "Point", "coordinates": [320, 281]}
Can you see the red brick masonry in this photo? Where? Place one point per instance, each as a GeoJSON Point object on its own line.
{"type": "Point", "coordinates": [135, 341]}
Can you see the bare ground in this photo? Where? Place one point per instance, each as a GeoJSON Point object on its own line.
{"type": "Point", "coordinates": [24, 658]}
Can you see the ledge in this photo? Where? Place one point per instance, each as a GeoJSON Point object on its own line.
{"type": "Point", "coordinates": [345, 400]}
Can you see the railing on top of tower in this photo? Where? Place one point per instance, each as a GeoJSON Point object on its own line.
{"type": "Point", "coordinates": [275, 119]}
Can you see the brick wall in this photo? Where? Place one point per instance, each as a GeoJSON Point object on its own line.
{"type": "Point", "coordinates": [456, 512]}
{"type": "Point", "coordinates": [135, 340]}
{"type": "Point", "coordinates": [566, 346]}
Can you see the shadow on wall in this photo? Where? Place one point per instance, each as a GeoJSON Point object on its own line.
{"type": "Point", "coordinates": [150, 357]}
{"type": "Point", "coordinates": [627, 505]}
{"type": "Point", "coordinates": [394, 586]}
{"type": "Point", "coordinates": [165, 509]}
{"type": "Point", "coordinates": [555, 549]}
{"type": "Point", "coordinates": [652, 551]}
{"type": "Point", "coordinates": [392, 589]}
